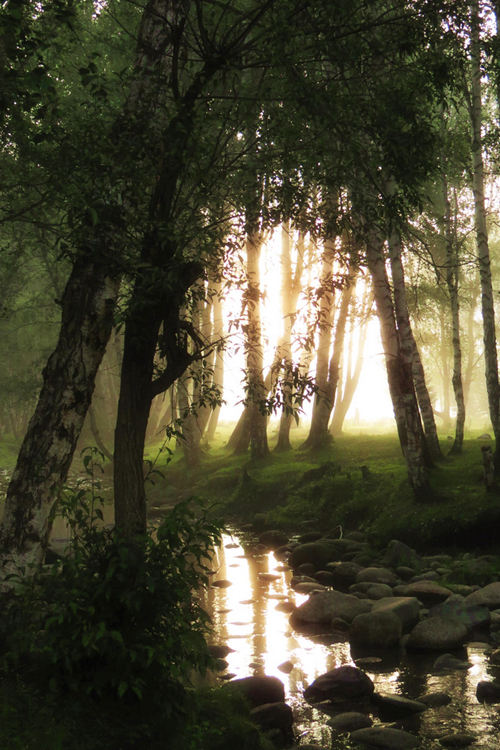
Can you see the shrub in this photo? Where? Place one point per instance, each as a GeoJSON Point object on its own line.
{"type": "Point", "coordinates": [116, 619]}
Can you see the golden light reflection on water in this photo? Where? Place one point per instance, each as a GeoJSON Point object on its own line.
{"type": "Point", "coordinates": [246, 619]}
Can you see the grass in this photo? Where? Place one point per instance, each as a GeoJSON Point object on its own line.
{"type": "Point", "coordinates": [364, 487]}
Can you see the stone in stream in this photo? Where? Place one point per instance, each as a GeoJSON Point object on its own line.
{"type": "Point", "coordinates": [448, 663]}
{"type": "Point", "coordinates": [349, 721]}
{"type": "Point", "coordinates": [375, 630]}
{"type": "Point", "coordinates": [344, 574]}
{"type": "Point", "coordinates": [259, 689]}
{"type": "Point", "coordinates": [268, 577]}
{"type": "Point", "coordinates": [434, 700]}
{"type": "Point", "coordinates": [456, 606]}
{"type": "Point", "coordinates": [437, 634]}
{"type": "Point", "coordinates": [459, 739]}
{"type": "Point", "coordinates": [325, 577]}
{"type": "Point", "coordinates": [306, 569]}
{"type": "Point", "coordinates": [406, 608]}
{"type": "Point", "coordinates": [488, 692]}
{"type": "Point", "coordinates": [286, 667]}
{"type": "Point", "coordinates": [339, 685]}
{"type": "Point", "coordinates": [391, 739]}
{"type": "Point", "coordinates": [488, 596]}
{"type": "Point", "coordinates": [394, 707]}
{"type": "Point", "coordinates": [377, 575]}
{"type": "Point", "coordinates": [495, 657]}
{"type": "Point", "coordinates": [316, 553]}
{"type": "Point", "coordinates": [222, 584]}
{"type": "Point", "coordinates": [428, 592]}
{"type": "Point", "coordinates": [324, 606]}
{"type": "Point", "coordinates": [219, 651]}
{"type": "Point", "coordinates": [286, 607]}
{"type": "Point", "coordinates": [307, 587]}
{"type": "Point", "coordinates": [379, 591]}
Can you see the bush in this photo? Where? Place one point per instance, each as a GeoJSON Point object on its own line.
{"type": "Point", "coordinates": [115, 619]}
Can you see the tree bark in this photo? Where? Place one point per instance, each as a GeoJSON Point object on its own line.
{"type": "Point", "coordinates": [68, 383]}
{"type": "Point", "coordinates": [218, 377]}
{"type": "Point", "coordinates": [483, 250]}
{"type": "Point", "coordinates": [399, 371]}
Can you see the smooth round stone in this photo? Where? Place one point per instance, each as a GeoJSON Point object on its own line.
{"type": "Point", "coordinates": [437, 634]}
{"type": "Point", "coordinates": [391, 739]}
{"type": "Point", "coordinates": [350, 721]}
{"type": "Point", "coordinates": [460, 739]}
{"type": "Point", "coordinates": [434, 700]}
{"type": "Point", "coordinates": [448, 663]}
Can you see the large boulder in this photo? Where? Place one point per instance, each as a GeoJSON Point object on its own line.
{"type": "Point", "coordinates": [488, 691]}
{"type": "Point", "coordinates": [377, 575]}
{"type": "Point", "coordinates": [488, 596]}
{"type": "Point", "coordinates": [349, 721]}
{"type": "Point", "coordinates": [437, 634]}
{"type": "Point", "coordinates": [398, 554]}
{"type": "Point", "coordinates": [376, 630]}
{"type": "Point", "coordinates": [456, 606]}
{"type": "Point", "coordinates": [344, 574]}
{"type": "Point", "coordinates": [259, 689]}
{"type": "Point", "coordinates": [324, 606]}
{"type": "Point", "coordinates": [340, 685]}
{"type": "Point", "coordinates": [406, 608]}
{"type": "Point", "coordinates": [428, 592]}
{"type": "Point", "coordinates": [391, 739]}
{"type": "Point", "coordinates": [318, 553]}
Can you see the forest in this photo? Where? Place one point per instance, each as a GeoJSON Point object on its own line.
{"type": "Point", "coordinates": [216, 216]}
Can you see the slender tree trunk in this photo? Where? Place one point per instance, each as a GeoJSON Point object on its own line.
{"type": "Point", "coordinates": [399, 371]}
{"type": "Point", "coordinates": [240, 437]}
{"type": "Point", "coordinates": [68, 383]}
{"type": "Point", "coordinates": [326, 313]}
{"type": "Point", "coordinates": [472, 360]}
{"type": "Point", "coordinates": [408, 347]}
{"type": "Point", "coordinates": [351, 377]}
{"type": "Point", "coordinates": [483, 250]}
{"type": "Point", "coordinates": [285, 352]}
{"type": "Point", "coordinates": [452, 284]}
{"type": "Point", "coordinates": [257, 391]}
{"type": "Point", "coordinates": [218, 378]}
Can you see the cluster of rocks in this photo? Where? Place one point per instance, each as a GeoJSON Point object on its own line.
{"type": "Point", "coordinates": [394, 600]}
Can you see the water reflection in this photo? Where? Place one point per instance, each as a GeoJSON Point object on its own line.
{"type": "Point", "coordinates": [246, 619]}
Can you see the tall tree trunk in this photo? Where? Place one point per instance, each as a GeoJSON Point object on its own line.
{"type": "Point", "coordinates": [483, 250]}
{"type": "Point", "coordinates": [257, 392]}
{"type": "Point", "coordinates": [472, 360]}
{"type": "Point", "coordinates": [325, 322]}
{"type": "Point", "coordinates": [399, 371]}
{"type": "Point", "coordinates": [351, 376]}
{"type": "Point", "coordinates": [408, 346]}
{"type": "Point", "coordinates": [285, 353]}
{"type": "Point", "coordinates": [218, 377]}
{"type": "Point", "coordinates": [68, 383]}
{"type": "Point", "coordinates": [452, 285]}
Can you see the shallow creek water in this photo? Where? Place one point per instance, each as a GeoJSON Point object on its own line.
{"type": "Point", "coordinates": [245, 618]}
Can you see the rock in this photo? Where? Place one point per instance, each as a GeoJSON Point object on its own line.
{"type": "Point", "coordinates": [338, 685]}
{"type": "Point", "coordinates": [355, 536]}
{"type": "Point", "coordinates": [344, 574]}
{"type": "Point", "coordinates": [268, 577]}
{"type": "Point", "coordinates": [394, 707]}
{"type": "Point", "coordinates": [286, 667]}
{"type": "Point", "coordinates": [377, 575]}
{"type": "Point", "coordinates": [406, 608]}
{"type": "Point", "coordinates": [495, 657]}
{"type": "Point", "coordinates": [324, 606]}
{"type": "Point", "coordinates": [308, 588]}
{"type": "Point", "coordinates": [471, 615]}
{"type": "Point", "coordinates": [398, 553]}
{"type": "Point", "coordinates": [488, 692]}
{"type": "Point", "coordinates": [259, 522]}
{"type": "Point", "coordinates": [459, 739]}
{"type": "Point", "coordinates": [222, 584]}
{"type": "Point", "coordinates": [317, 553]}
{"type": "Point", "coordinates": [448, 663]}
{"type": "Point", "coordinates": [391, 739]}
{"type": "Point", "coordinates": [379, 591]}
{"type": "Point", "coordinates": [274, 716]}
{"type": "Point", "coordinates": [485, 436]}
{"type": "Point", "coordinates": [434, 700]}
{"type": "Point", "coordinates": [306, 569]}
{"type": "Point", "coordinates": [286, 607]}
{"type": "Point", "coordinates": [375, 630]}
{"type": "Point", "coordinates": [428, 592]}
{"type": "Point", "coordinates": [310, 536]}
{"type": "Point", "coordinates": [219, 651]}
{"type": "Point", "coordinates": [350, 721]}
{"type": "Point", "coordinates": [259, 689]}
{"type": "Point", "coordinates": [404, 572]}
{"type": "Point", "coordinates": [488, 596]}
{"type": "Point", "coordinates": [325, 577]}
{"type": "Point", "coordinates": [429, 575]}
{"type": "Point", "coordinates": [338, 624]}
{"type": "Point", "coordinates": [437, 634]}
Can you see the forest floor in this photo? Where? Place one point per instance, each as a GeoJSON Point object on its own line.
{"type": "Point", "coordinates": [357, 482]}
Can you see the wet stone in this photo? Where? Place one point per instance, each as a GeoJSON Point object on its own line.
{"type": "Point", "coordinates": [349, 721]}
{"type": "Point", "coordinates": [434, 700]}
{"type": "Point", "coordinates": [393, 707]}
{"type": "Point", "coordinates": [391, 739]}
{"type": "Point", "coordinates": [460, 739]}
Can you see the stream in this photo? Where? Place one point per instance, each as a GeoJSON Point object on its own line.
{"type": "Point", "coordinates": [246, 618]}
